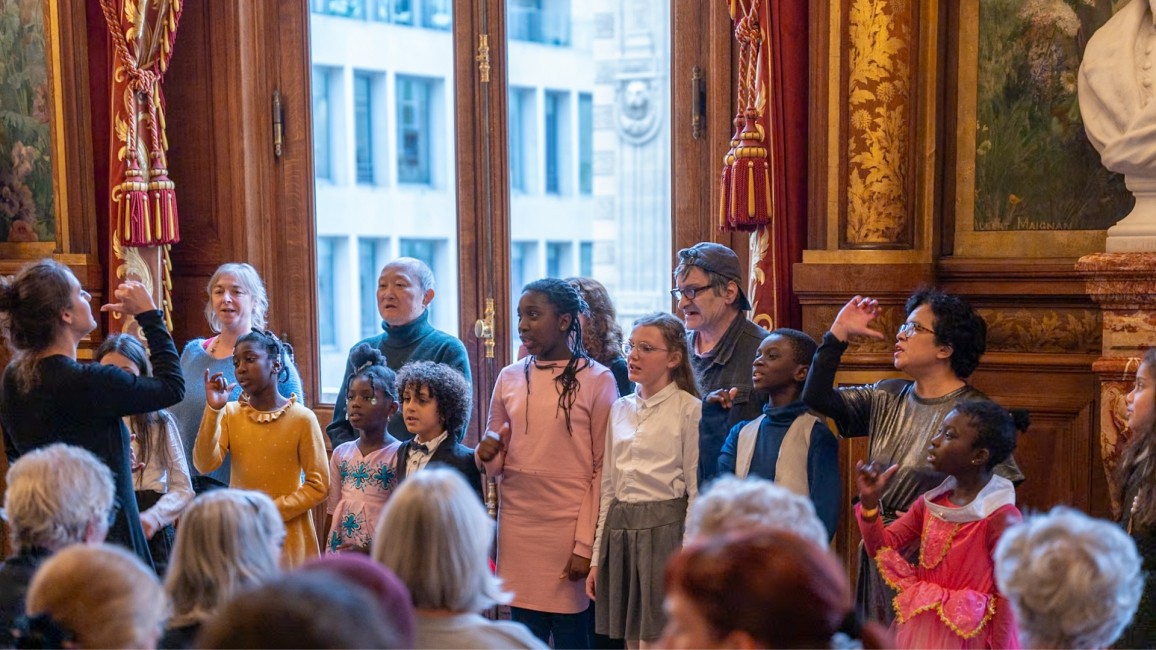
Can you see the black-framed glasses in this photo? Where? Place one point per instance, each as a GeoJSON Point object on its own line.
{"type": "Point", "coordinates": [911, 328]}
{"type": "Point", "coordinates": [689, 292]}
{"type": "Point", "coordinates": [644, 348]}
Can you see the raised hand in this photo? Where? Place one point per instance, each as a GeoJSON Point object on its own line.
{"type": "Point", "coordinates": [134, 297]}
{"type": "Point", "coordinates": [492, 443]}
{"type": "Point", "coordinates": [217, 390]}
{"type": "Point", "coordinates": [854, 319]}
{"type": "Point", "coordinates": [872, 480]}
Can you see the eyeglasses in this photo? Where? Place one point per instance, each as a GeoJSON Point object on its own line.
{"type": "Point", "coordinates": [643, 348]}
{"type": "Point", "coordinates": [911, 328]}
{"type": "Point", "coordinates": [688, 292]}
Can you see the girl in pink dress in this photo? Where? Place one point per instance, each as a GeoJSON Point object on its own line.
{"type": "Point", "coordinates": [948, 597]}
{"type": "Point", "coordinates": [544, 443]}
{"type": "Point", "coordinates": [363, 472]}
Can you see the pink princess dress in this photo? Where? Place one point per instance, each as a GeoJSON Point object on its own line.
{"type": "Point", "coordinates": [948, 598]}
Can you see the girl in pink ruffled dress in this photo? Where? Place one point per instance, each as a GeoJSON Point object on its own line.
{"type": "Point", "coordinates": [938, 555]}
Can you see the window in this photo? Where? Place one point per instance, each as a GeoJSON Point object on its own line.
{"type": "Point", "coordinates": [398, 12]}
{"type": "Point", "coordinates": [322, 162]}
{"type": "Point", "coordinates": [372, 254]}
{"type": "Point", "coordinates": [363, 126]}
{"type": "Point", "coordinates": [556, 141]}
{"type": "Point", "coordinates": [585, 143]}
{"type": "Point", "coordinates": [326, 293]}
{"type": "Point", "coordinates": [436, 14]}
{"type": "Point", "coordinates": [523, 270]}
{"type": "Point", "coordinates": [413, 130]}
{"type": "Point", "coordinates": [340, 8]}
{"type": "Point", "coordinates": [558, 262]}
{"type": "Point", "coordinates": [539, 21]}
{"type": "Point", "coordinates": [521, 122]}
{"type": "Point", "coordinates": [586, 259]}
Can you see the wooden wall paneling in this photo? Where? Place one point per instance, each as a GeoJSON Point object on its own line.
{"type": "Point", "coordinates": [701, 35]}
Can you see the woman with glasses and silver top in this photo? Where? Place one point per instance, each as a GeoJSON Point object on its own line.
{"type": "Point", "coordinates": [938, 346]}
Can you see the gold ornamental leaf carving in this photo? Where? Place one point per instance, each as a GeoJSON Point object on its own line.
{"type": "Point", "coordinates": [1068, 331]}
{"type": "Point", "coordinates": [878, 138]}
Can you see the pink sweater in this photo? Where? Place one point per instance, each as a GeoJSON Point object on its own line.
{"type": "Point", "coordinates": [549, 480]}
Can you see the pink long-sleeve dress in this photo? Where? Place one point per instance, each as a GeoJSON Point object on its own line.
{"type": "Point", "coordinates": [948, 597]}
{"type": "Point", "coordinates": [548, 479]}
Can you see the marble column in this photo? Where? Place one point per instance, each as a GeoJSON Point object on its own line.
{"type": "Point", "coordinates": [1124, 286]}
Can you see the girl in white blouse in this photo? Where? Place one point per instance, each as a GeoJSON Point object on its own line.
{"type": "Point", "coordinates": [160, 471]}
{"type": "Point", "coordinates": [648, 482]}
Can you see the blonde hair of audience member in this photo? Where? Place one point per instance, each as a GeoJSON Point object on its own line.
{"type": "Point", "coordinates": [219, 552]}
{"type": "Point", "coordinates": [58, 495]}
{"type": "Point", "coordinates": [436, 536]}
{"type": "Point", "coordinates": [731, 504]}
{"type": "Point", "coordinates": [1073, 581]}
{"type": "Point", "coordinates": [101, 594]}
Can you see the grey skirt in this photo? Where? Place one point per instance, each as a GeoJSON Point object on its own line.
{"type": "Point", "coordinates": [637, 540]}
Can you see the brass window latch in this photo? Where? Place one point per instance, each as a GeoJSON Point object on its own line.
{"type": "Point", "coordinates": [278, 124]}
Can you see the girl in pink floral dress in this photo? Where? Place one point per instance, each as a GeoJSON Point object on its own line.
{"type": "Point", "coordinates": [363, 472]}
{"type": "Point", "coordinates": [947, 597]}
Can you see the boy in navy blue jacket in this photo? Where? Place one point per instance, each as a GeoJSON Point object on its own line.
{"type": "Point", "coordinates": [786, 444]}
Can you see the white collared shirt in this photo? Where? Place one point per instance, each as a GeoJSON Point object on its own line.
{"type": "Point", "coordinates": [415, 459]}
{"type": "Point", "coordinates": [651, 451]}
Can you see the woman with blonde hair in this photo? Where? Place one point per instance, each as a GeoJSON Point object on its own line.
{"type": "Point", "coordinates": [229, 541]}
{"type": "Point", "coordinates": [93, 596]}
{"type": "Point", "coordinates": [436, 536]}
{"type": "Point", "coordinates": [237, 304]}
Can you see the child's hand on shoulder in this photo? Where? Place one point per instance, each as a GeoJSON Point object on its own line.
{"type": "Point", "coordinates": [872, 480]}
{"type": "Point", "coordinates": [492, 443]}
{"type": "Point", "coordinates": [217, 390]}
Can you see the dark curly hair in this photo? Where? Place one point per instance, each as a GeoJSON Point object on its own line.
{"type": "Point", "coordinates": [274, 347]}
{"type": "Point", "coordinates": [566, 300]}
{"type": "Point", "coordinates": [370, 364]}
{"type": "Point", "coordinates": [957, 325]}
{"type": "Point", "coordinates": [602, 335]}
{"type": "Point", "coordinates": [446, 385]}
{"type": "Point", "coordinates": [997, 427]}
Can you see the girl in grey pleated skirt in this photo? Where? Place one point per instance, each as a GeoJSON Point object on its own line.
{"type": "Point", "coordinates": [638, 540]}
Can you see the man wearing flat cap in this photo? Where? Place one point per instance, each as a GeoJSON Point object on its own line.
{"type": "Point", "coordinates": [722, 342]}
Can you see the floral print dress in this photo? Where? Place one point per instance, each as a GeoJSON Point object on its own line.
{"type": "Point", "coordinates": [359, 486]}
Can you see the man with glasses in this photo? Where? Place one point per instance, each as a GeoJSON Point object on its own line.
{"type": "Point", "coordinates": [722, 342]}
{"type": "Point", "coordinates": [938, 346]}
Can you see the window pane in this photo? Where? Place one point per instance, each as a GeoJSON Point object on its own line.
{"type": "Point", "coordinates": [321, 125]}
{"type": "Point", "coordinates": [601, 206]}
{"type": "Point", "coordinates": [413, 136]}
{"type": "Point", "coordinates": [363, 125]}
{"type": "Point", "coordinates": [326, 311]}
{"type": "Point", "coordinates": [389, 77]}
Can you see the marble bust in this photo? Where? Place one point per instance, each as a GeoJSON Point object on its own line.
{"type": "Point", "coordinates": [1117, 89]}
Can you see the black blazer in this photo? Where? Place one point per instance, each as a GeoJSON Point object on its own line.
{"type": "Point", "coordinates": [449, 453]}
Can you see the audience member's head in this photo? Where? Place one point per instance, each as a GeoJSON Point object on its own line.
{"type": "Point", "coordinates": [601, 333]}
{"type": "Point", "coordinates": [956, 325]}
{"type": "Point", "coordinates": [761, 589]}
{"type": "Point", "coordinates": [388, 590]}
{"type": "Point", "coordinates": [300, 610]}
{"type": "Point", "coordinates": [94, 596]}
{"type": "Point", "coordinates": [435, 535]}
{"type": "Point", "coordinates": [1073, 581]}
{"type": "Point", "coordinates": [58, 495]}
{"type": "Point", "coordinates": [228, 541]}
{"type": "Point", "coordinates": [731, 504]}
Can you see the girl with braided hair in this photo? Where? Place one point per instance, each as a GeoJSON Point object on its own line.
{"type": "Point", "coordinates": [544, 443]}
{"type": "Point", "coordinates": [363, 472]}
{"type": "Point", "coordinates": [275, 442]}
